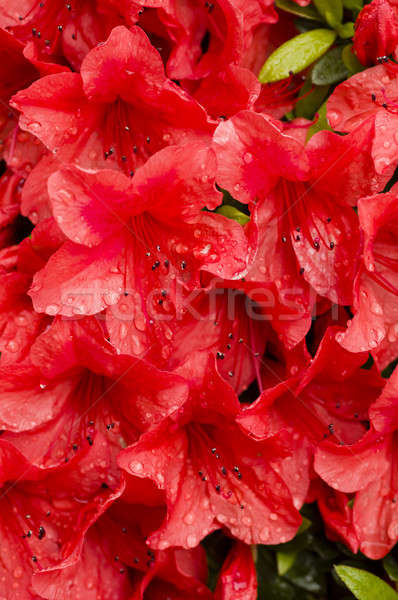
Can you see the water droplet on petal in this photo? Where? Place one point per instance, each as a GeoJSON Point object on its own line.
{"type": "Point", "coordinates": [52, 309]}
{"type": "Point", "coordinates": [136, 467]}
{"type": "Point", "coordinates": [381, 163]}
{"type": "Point", "coordinates": [188, 519]}
{"type": "Point", "coordinates": [334, 117]}
{"type": "Point", "coordinates": [192, 541]}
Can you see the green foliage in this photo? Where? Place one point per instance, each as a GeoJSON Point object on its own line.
{"type": "Point", "coordinates": [296, 54]}
{"type": "Point", "coordinates": [354, 5]}
{"type": "Point", "coordinates": [365, 585]}
{"type": "Point", "coordinates": [233, 213]}
{"type": "Point", "coordinates": [330, 68]}
{"type": "Point", "coordinates": [310, 99]}
{"type": "Point", "coordinates": [331, 11]}
{"type": "Point", "coordinates": [350, 60]}
{"type": "Point", "coordinates": [321, 123]}
{"type": "Point", "coordinates": [306, 12]}
{"type": "Point", "coordinates": [345, 30]}
{"type": "Point", "coordinates": [387, 372]}
{"type": "Point", "coordinates": [391, 567]}
{"type": "Point", "coordinates": [310, 567]}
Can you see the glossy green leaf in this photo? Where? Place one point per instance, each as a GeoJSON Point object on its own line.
{"type": "Point", "coordinates": [331, 11]}
{"type": "Point", "coordinates": [285, 560]}
{"type": "Point", "coordinates": [350, 60]}
{"type": "Point", "coordinates": [355, 5]}
{"type": "Point", "coordinates": [388, 370]}
{"type": "Point", "coordinates": [391, 567]}
{"type": "Point", "coordinates": [330, 68]}
{"type": "Point", "coordinates": [305, 524]}
{"type": "Point", "coordinates": [310, 99]}
{"type": "Point", "coordinates": [306, 12]}
{"type": "Point", "coordinates": [233, 213]}
{"type": "Point", "coordinates": [296, 54]}
{"type": "Point", "coordinates": [320, 124]}
{"type": "Point", "coordinates": [365, 585]}
{"type": "Point", "coordinates": [308, 573]}
{"type": "Point", "coordinates": [346, 30]}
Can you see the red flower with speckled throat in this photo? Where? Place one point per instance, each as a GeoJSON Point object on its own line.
{"type": "Point", "coordinates": [83, 398]}
{"type": "Point", "coordinates": [145, 233]}
{"type": "Point", "coordinates": [117, 112]}
{"type": "Point", "coordinates": [301, 197]}
{"type": "Point", "coordinates": [375, 323]}
{"type": "Point", "coordinates": [212, 474]}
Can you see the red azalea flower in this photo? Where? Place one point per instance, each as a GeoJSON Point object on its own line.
{"type": "Point", "coordinates": [221, 320]}
{"type": "Point", "coordinates": [212, 474]}
{"type": "Point", "coordinates": [83, 397]}
{"type": "Point", "coordinates": [375, 323]}
{"type": "Point", "coordinates": [337, 514]}
{"type": "Point", "coordinates": [301, 197]}
{"type": "Point", "coordinates": [35, 202]}
{"type": "Point", "coordinates": [264, 39]}
{"type": "Point", "coordinates": [376, 31]}
{"type": "Point", "coordinates": [238, 578]}
{"type": "Point", "coordinates": [370, 97]}
{"type": "Point", "coordinates": [10, 198]}
{"type": "Point", "coordinates": [119, 110]}
{"type": "Point", "coordinates": [369, 468]}
{"type": "Point", "coordinates": [237, 89]}
{"type": "Point", "coordinates": [44, 517]}
{"type": "Point", "coordinates": [145, 233]}
{"type": "Point", "coordinates": [254, 14]}
{"type": "Point", "coordinates": [116, 563]}
{"type": "Point", "coordinates": [65, 31]}
{"type": "Point", "coordinates": [19, 323]}
{"type": "Point", "coordinates": [205, 37]}
{"type": "Point", "coordinates": [320, 401]}
{"type": "Point", "coordinates": [18, 67]}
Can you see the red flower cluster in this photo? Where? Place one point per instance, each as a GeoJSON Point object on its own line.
{"type": "Point", "coordinates": [167, 242]}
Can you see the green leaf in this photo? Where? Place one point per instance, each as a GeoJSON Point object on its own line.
{"type": "Point", "coordinates": [321, 123]}
{"type": "Point", "coordinates": [308, 573]}
{"type": "Point", "coordinates": [311, 97]}
{"type": "Point", "coordinates": [330, 68]}
{"type": "Point", "coordinates": [350, 60]}
{"type": "Point", "coordinates": [355, 5]}
{"type": "Point", "coordinates": [365, 585]}
{"type": "Point", "coordinates": [233, 213]}
{"type": "Point", "coordinates": [388, 370]}
{"type": "Point", "coordinates": [296, 54]}
{"type": "Point", "coordinates": [305, 524]}
{"type": "Point", "coordinates": [331, 11]}
{"type": "Point", "coordinates": [346, 30]}
{"type": "Point", "coordinates": [391, 567]}
{"type": "Point", "coordinates": [306, 12]}
{"type": "Point", "coordinates": [285, 560]}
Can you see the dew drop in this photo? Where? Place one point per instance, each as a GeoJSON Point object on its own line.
{"type": "Point", "coordinates": [52, 309]}
{"type": "Point", "coordinates": [136, 467]}
{"type": "Point", "coordinates": [192, 541]}
{"type": "Point", "coordinates": [334, 117]}
{"type": "Point", "coordinates": [188, 519]}
{"type": "Point", "coordinates": [392, 531]}
{"type": "Point", "coordinates": [381, 163]}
